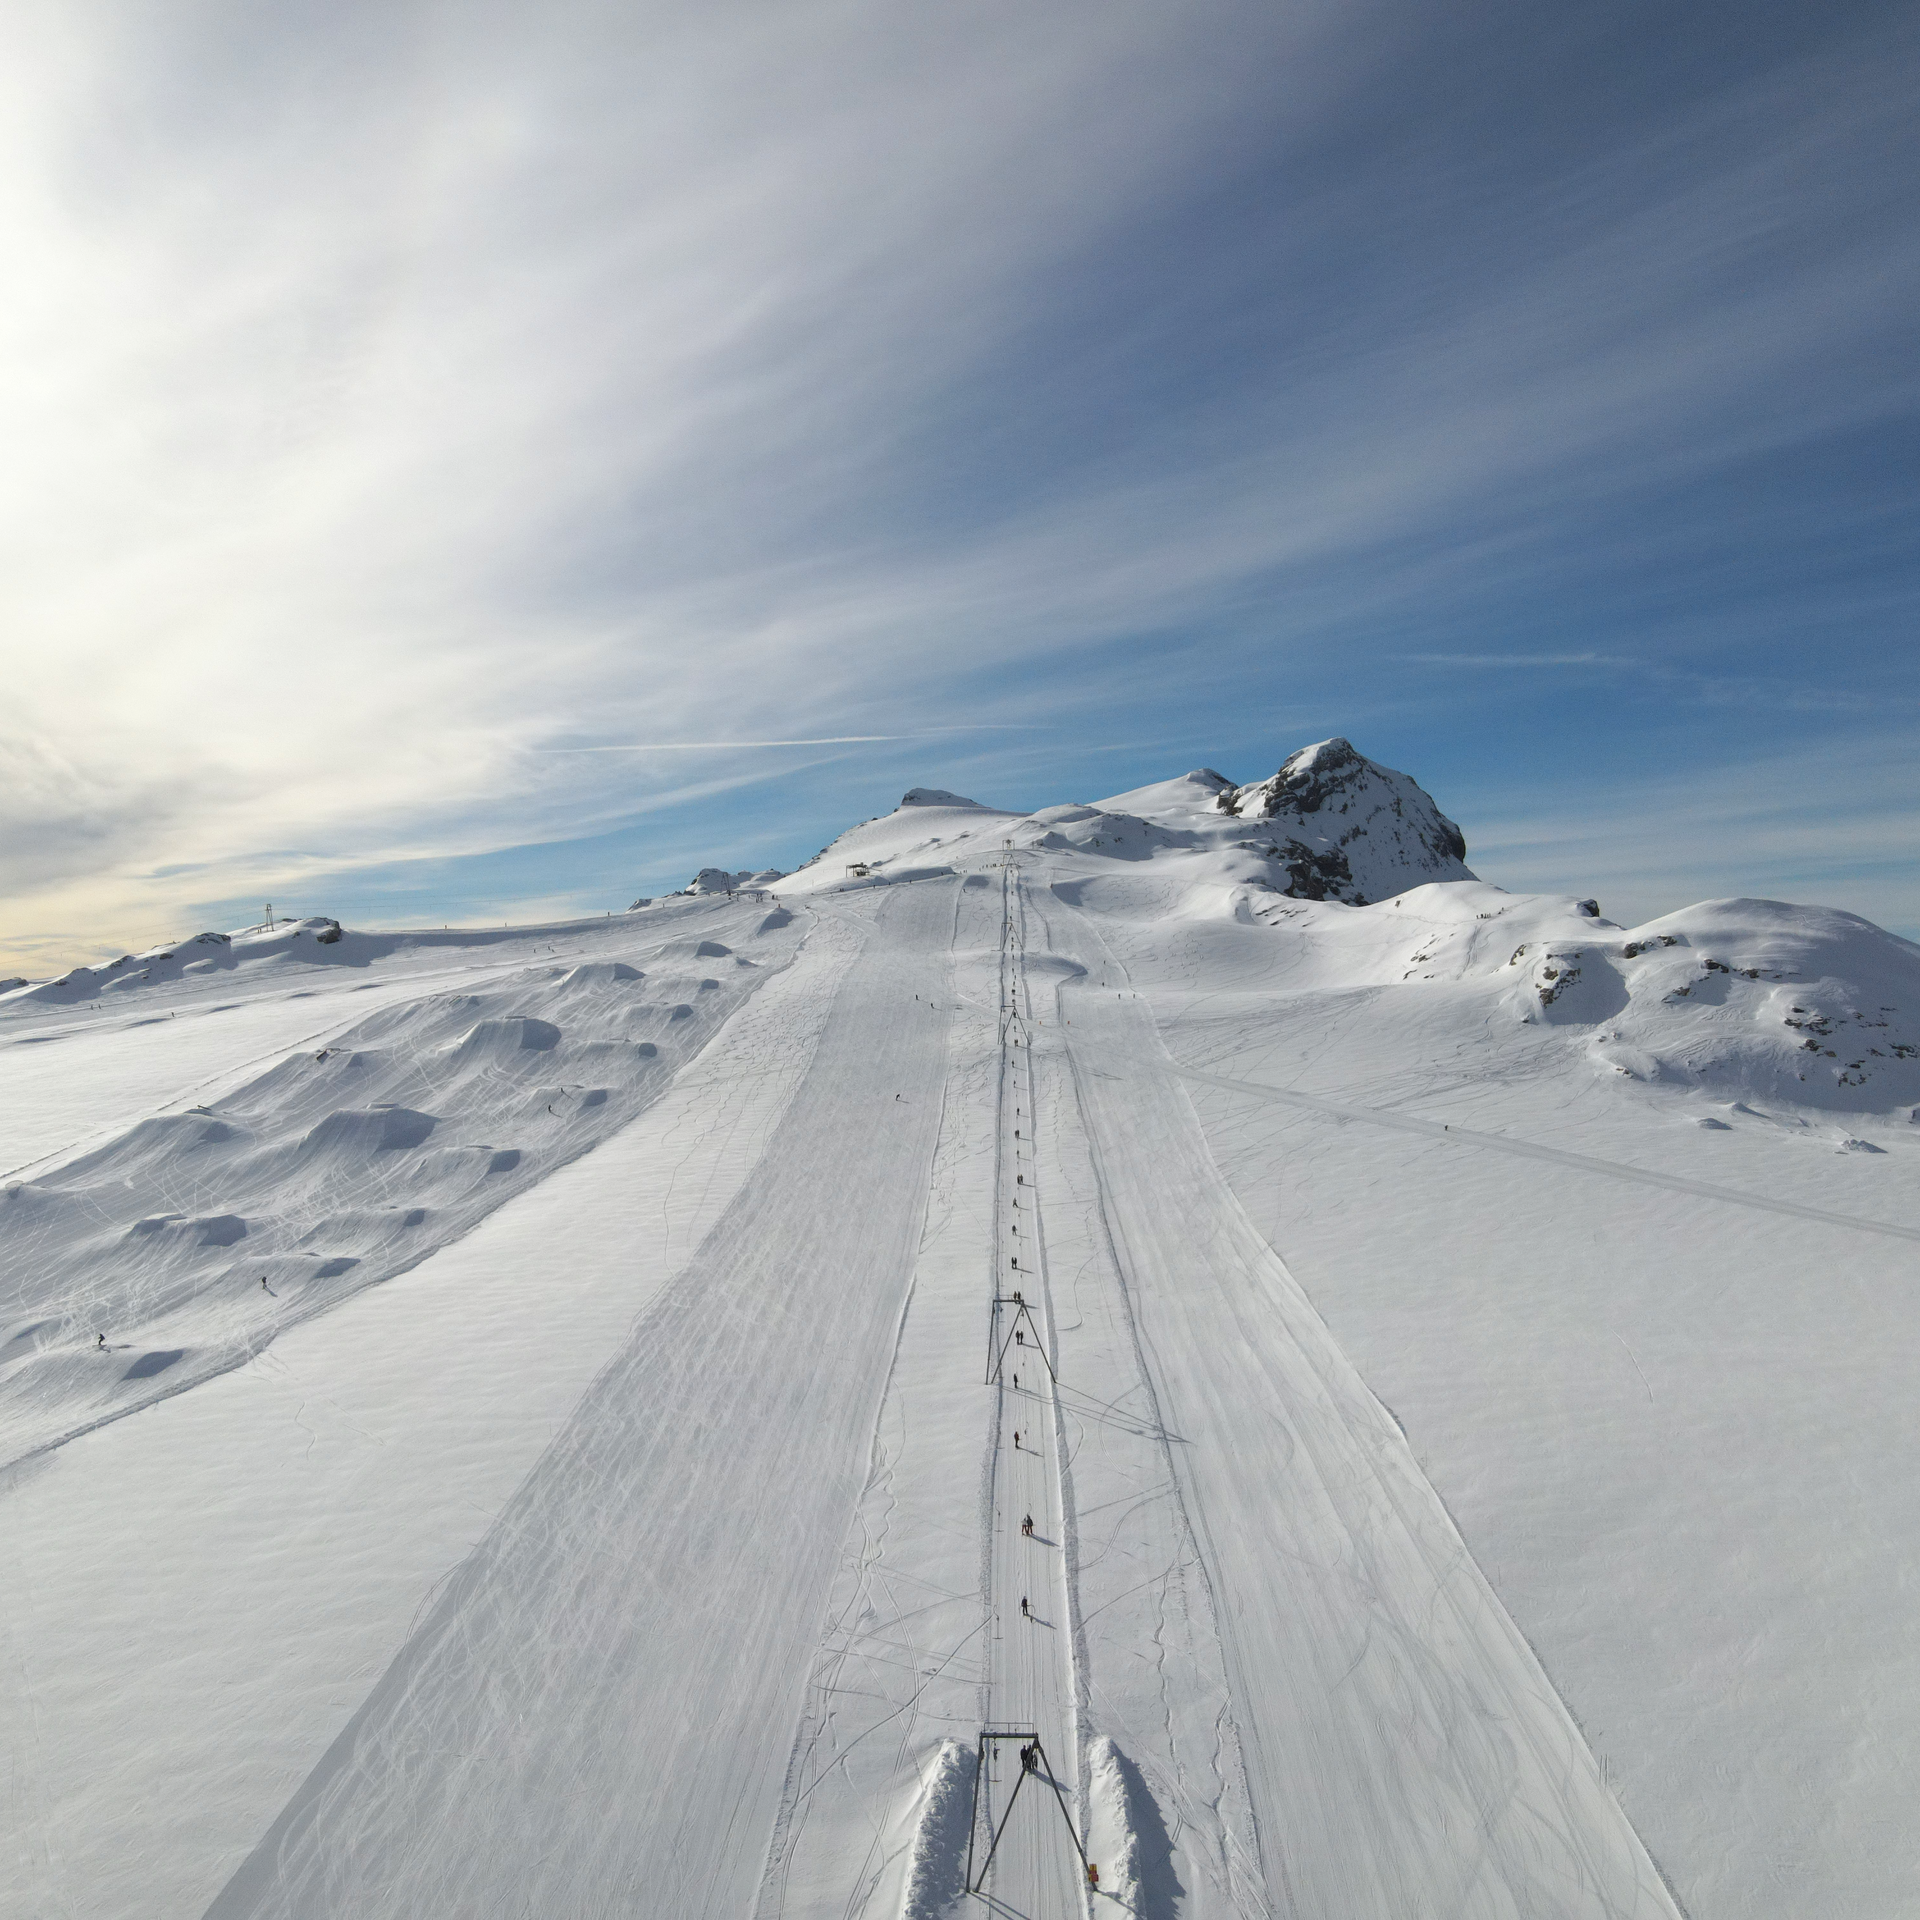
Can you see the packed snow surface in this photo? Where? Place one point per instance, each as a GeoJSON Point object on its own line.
{"type": "Point", "coordinates": [1182, 1339]}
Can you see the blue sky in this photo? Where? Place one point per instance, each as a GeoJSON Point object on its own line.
{"type": "Point", "coordinates": [472, 466]}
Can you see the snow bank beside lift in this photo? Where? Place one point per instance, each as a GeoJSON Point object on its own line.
{"type": "Point", "coordinates": [936, 1882]}
{"type": "Point", "coordinates": [1127, 1837]}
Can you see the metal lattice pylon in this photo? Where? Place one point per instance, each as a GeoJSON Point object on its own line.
{"type": "Point", "coordinates": [1001, 1343]}
{"type": "Point", "coordinates": [1033, 1764]}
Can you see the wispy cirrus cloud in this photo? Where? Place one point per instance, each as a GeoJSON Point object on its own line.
{"type": "Point", "coordinates": [396, 399]}
{"type": "Point", "coordinates": [1834, 828]}
{"type": "Point", "coordinates": [1518, 660]}
{"type": "Point", "coordinates": [724, 746]}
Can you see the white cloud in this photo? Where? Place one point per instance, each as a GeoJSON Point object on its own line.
{"type": "Point", "coordinates": [395, 395]}
{"type": "Point", "coordinates": [1518, 659]}
{"type": "Point", "coordinates": [1830, 828]}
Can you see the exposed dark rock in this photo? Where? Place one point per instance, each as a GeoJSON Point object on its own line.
{"type": "Point", "coordinates": [1361, 830]}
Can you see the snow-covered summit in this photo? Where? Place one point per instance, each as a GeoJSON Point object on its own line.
{"type": "Point", "coordinates": [1348, 828]}
{"type": "Point", "coordinates": [1329, 825]}
{"type": "Point", "coordinates": [1193, 792]}
{"type": "Point", "coordinates": [939, 797]}
{"type": "Point", "coordinates": [926, 834]}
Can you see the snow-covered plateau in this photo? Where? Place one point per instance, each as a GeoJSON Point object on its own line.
{"type": "Point", "coordinates": [1175, 1356]}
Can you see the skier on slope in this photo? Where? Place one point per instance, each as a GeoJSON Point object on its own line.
{"type": "Point", "coordinates": [1016, 1439]}
{"type": "Point", "coordinates": [1026, 1526]}
{"type": "Point", "coordinates": [1024, 1614]}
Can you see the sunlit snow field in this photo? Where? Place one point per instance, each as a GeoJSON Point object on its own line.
{"type": "Point", "coordinates": [521, 1422]}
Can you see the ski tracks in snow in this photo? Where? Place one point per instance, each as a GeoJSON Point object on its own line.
{"type": "Point", "coordinates": [584, 1718]}
{"type": "Point", "coordinates": [789, 1500]}
{"type": "Point", "coordinates": [900, 1659]}
{"type": "Point", "coordinates": [1404, 1753]}
{"type": "Point", "coordinates": [1153, 1668]}
{"type": "Point", "coordinates": [1534, 1150]}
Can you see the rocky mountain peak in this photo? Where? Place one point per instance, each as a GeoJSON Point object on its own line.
{"type": "Point", "coordinates": [1348, 828]}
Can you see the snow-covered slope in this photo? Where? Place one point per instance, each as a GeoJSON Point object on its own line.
{"type": "Point", "coordinates": [926, 834]}
{"type": "Point", "coordinates": [719, 880]}
{"type": "Point", "coordinates": [1743, 1000]}
{"type": "Point", "coordinates": [182, 1247]}
{"type": "Point", "coordinates": [1395, 1396]}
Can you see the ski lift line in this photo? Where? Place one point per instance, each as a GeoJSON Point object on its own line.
{"type": "Point", "coordinates": [1025, 1312]}
{"type": "Point", "coordinates": [1003, 1337]}
{"type": "Point", "coordinates": [1030, 1740]}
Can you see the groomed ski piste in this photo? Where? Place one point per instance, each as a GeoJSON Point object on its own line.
{"type": "Point", "coordinates": [1174, 1356]}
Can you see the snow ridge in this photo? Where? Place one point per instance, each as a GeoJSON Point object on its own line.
{"type": "Point", "coordinates": [936, 1868]}
{"type": "Point", "coordinates": [182, 1247]}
